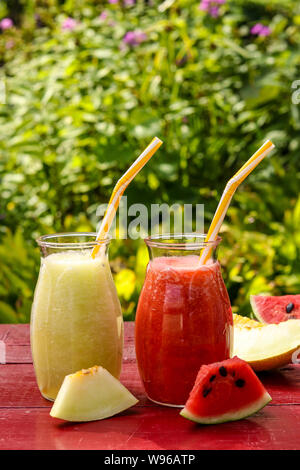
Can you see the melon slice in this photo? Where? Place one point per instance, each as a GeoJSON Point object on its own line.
{"type": "Point", "coordinates": [225, 391]}
{"type": "Point", "coordinates": [265, 346]}
{"type": "Point", "coordinates": [275, 309]}
{"type": "Point", "coordinates": [91, 394]}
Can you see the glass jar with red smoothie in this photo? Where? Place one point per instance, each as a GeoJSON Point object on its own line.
{"type": "Point", "coordinates": [184, 317]}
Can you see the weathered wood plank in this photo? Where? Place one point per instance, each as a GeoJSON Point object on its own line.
{"type": "Point", "coordinates": [18, 387]}
{"type": "Point", "coordinates": [25, 422]}
{"type": "Point", "coordinates": [149, 428]}
{"type": "Point", "coordinates": [15, 334]}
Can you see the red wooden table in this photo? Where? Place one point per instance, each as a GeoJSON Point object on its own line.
{"type": "Point", "coordinates": [25, 422]}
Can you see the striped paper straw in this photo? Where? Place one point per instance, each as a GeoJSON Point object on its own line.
{"type": "Point", "coordinates": [120, 188]}
{"type": "Point", "coordinates": [229, 191]}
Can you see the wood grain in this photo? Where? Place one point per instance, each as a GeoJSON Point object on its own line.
{"type": "Point", "coordinates": [25, 422]}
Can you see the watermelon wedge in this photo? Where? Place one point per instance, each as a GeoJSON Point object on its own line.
{"type": "Point", "coordinates": [225, 391]}
{"type": "Point", "coordinates": [275, 309]}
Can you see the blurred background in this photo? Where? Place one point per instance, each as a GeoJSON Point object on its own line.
{"type": "Point", "coordinates": [86, 84]}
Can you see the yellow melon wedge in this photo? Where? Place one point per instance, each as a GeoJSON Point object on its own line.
{"type": "Point", "coordinates": [265, 346]}
{"type": "Point", "coordinates": [91, 394]}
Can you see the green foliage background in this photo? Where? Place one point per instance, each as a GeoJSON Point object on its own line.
{"type": "Point", "coordinates": [80, 105]}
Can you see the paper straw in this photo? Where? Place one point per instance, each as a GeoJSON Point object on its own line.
{"type": "Point", "coordinates": [120, 188]}
{"type": "Point", "coordinates": [229, 191]}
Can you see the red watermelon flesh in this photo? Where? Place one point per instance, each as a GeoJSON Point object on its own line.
{"type": "Point", "coordinates": [275, 309]}
{"type": "Point", "coordinates": [225, 391]}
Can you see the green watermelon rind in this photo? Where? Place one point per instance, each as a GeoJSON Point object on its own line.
{"type": "Point", "coordinates": [244, 412]}
{"type": "Point", "coordinates": [255, 309]}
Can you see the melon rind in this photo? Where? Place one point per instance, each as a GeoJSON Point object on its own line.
{"type": "Point", "coordinates": [91, 395]}
{"type": "Point", "coordinates": [274, 362]}
{"type": "Point", "coordinates": [268, 346]}
{"type": "Point", "coordinates": [230, 416]}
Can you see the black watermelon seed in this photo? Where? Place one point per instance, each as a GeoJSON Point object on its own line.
{"type": "Point", "coordinates": [212, 378]}
{"type": "Point", "coordinates": [223, 371]}
{"type": "Point", "coordinates": [289, 307]}
{"type": "Point", "coordinates": [206, 391]}
{"type": "Point", "coordinates": [240, 383]}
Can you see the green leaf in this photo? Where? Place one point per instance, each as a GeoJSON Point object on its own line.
{"type": "Point", "coordinates": [7, 314]}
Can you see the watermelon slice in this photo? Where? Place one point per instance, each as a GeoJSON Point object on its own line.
{"type": "Point", "coordinates": [275, 309]}
{"type": "Point", "coordinates": [225, 391]}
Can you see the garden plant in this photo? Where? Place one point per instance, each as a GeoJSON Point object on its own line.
{"type": "Point", "coordinates": [86, 84]}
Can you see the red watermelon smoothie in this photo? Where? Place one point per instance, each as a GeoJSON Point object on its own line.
{"type": "Point", "coordinates": [183, 319]}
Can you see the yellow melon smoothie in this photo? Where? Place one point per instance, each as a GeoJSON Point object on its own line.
{"type": "Point", "coordinates": [76, 318]}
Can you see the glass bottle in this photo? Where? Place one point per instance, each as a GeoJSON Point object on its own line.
{"type": "Point", "coordinates": [76, 318]}
{"type": "Point", "coordinates": [184, 317]}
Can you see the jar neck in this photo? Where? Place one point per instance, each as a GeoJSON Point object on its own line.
{"type": "Point", "coordinates": [69, 242]}
{"type": "Point", "coordinates": [181, 245]}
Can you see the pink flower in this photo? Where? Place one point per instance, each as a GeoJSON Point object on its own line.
{"type": "Point", "coordinates": [260, 30]}
{"type": "Point", "coordinates": [103, 15]}
{"type": "Point", "coordinates": [204, 5]}
{"type": "Point", "coordinates": [265, 31]}
{"type": "Point", "coordinates": [211, 7]}
{"type": "Point", "coordinates": [6, 23]}
{"type": "Point", "coordinates": [113, 2]}
{"type": "Point", "coordinates": [214, 11]}
{"type": "Point", "coordinates": [129, 3]}
{"type": "Point", "coordinates": [69, 24]}
{"type": "Point", "coordinates": [133, 38]}
{"type": "Point", "coordinates": [256, 28]}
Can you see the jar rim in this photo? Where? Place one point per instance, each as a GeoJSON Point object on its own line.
{"type": "Point", "coordinates": [166, 241]}
{"type": "Point", "coordinates": [45, 240]}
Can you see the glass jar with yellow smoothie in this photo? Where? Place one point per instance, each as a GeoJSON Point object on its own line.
{"type": "Point", "coordinates": [76, 318]}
